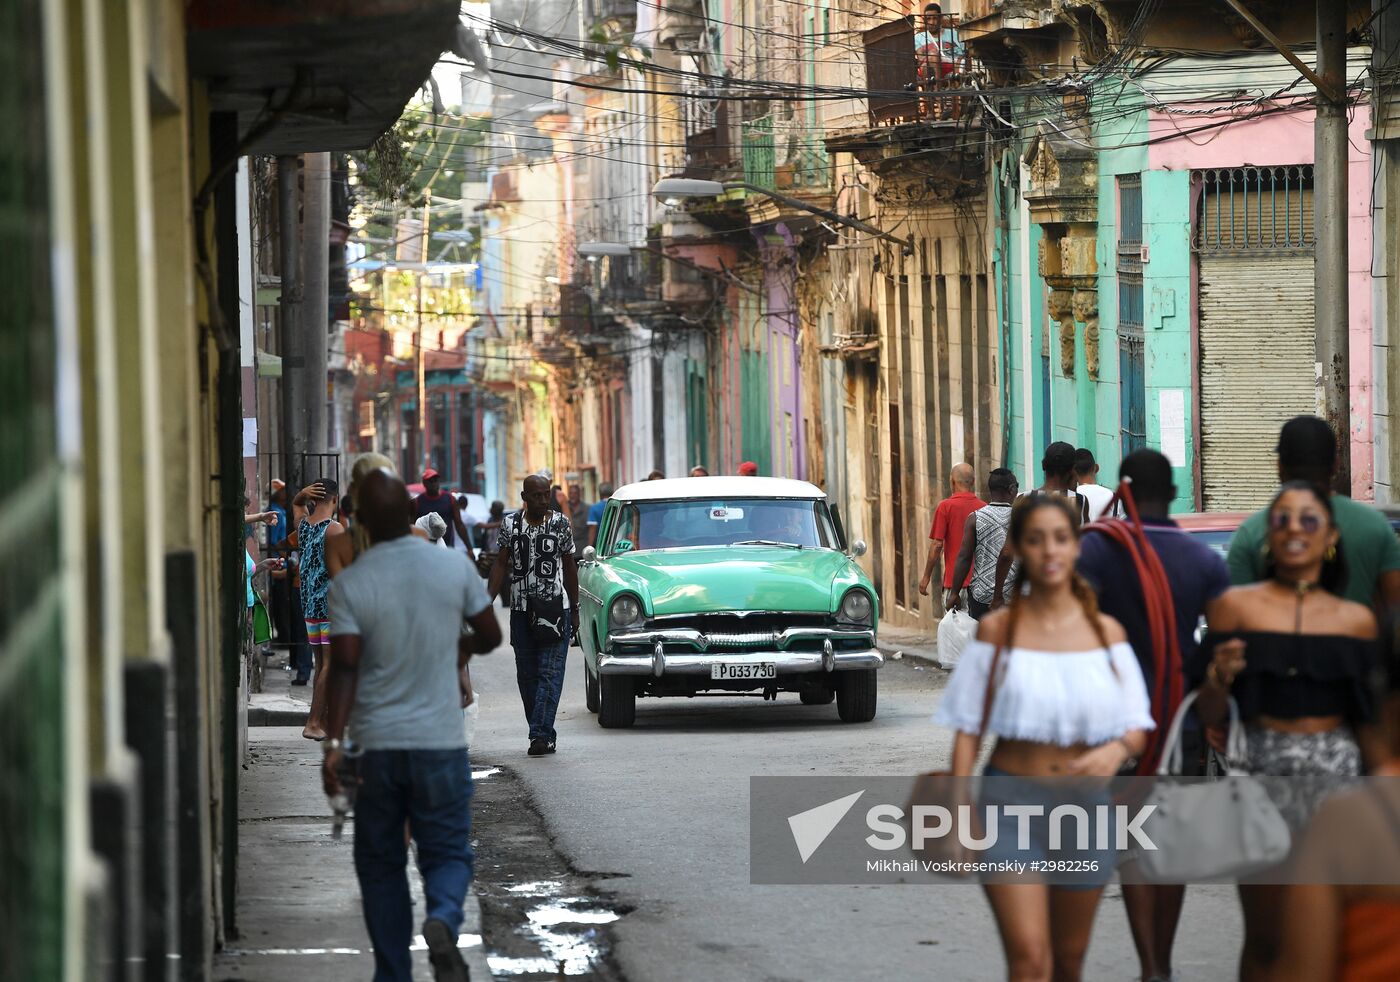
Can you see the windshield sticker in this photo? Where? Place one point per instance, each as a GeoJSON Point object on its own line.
{"type": "Point", "coordinates": [726, 514]}
{"type": "Point", "coordinates": [623, 545]}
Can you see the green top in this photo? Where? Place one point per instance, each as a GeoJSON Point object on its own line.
{"type": "Point", "coordinates": [1369, 548]}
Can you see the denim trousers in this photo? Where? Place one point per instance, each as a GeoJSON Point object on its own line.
{"type": "Point", "coordinates": [539, 671]}
{"type": "Point", "coordinates": [431, 790]}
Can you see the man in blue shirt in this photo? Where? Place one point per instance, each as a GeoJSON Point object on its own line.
{"type": "Point", "coordinates": [595, 511]}
{"type": "Point", "coordinates": [1197, 577]}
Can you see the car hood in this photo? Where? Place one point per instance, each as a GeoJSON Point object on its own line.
{"type": "Point", "coordinates": [733, 578]}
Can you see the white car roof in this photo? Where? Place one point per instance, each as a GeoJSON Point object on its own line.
{"type": "Point", "coordinates": [717, 487]}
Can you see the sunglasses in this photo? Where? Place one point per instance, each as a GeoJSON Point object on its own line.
{"type": "Point", "coordinates": [1309, 521]}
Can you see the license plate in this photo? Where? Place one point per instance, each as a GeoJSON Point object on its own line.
{"type": "Point", "coordinates": [746, 670]}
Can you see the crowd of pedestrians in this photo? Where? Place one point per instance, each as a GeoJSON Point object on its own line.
{"type": "Point", "coordinates": [1086, 647]}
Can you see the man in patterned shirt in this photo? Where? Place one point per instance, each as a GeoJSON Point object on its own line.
{"type": "Point", "coordinates": [536, 550]}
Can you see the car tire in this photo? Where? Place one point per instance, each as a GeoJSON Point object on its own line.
{"type": "Point", "coordinates": [590, 689]}
{"type": "Point", "coordinates": [617, 701]}
{"type": "Point", "coordinates": [817, 696]}
{"type": "Point", "coordinates": [855, 695]}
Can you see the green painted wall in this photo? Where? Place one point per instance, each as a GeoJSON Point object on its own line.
{"type": "Point", "coordinates": [1085, 411]}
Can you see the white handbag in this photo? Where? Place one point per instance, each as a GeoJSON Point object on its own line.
{"type": "Point", "coordinates": [1208, 831]}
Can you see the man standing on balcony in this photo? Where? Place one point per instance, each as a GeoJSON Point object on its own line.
{"type": "Point", "coordinates": [937, 48]}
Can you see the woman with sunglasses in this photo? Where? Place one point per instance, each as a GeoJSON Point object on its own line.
{"type": "Point", "coordinates": [1067, 701]}
{"type": "Point", "coordinates": [1297, 659]}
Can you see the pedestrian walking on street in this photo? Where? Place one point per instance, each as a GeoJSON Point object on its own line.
{"type": "Point", "coordinates": [656, 476]}
{"type": "Point", "coordinates": [949, 520]}
{"type": "Point", "coordinates": [748, 469]}
{"type": "Point", "coordinates": [1341, 914]}
{"type": "Point", "coordinates": [1086, 484]}
{"type": "Point", "coordinates": [578, 509]}
{"type": "Point", "coordinates": [1196, 577]}
{"type": "Point", "coordinates": [595, 511]}
{"type": "Point", "coordinates": [1060, 482]}
{"type": "Point", "coordinates": [699, 471]}
{"type": "Point", "coordinates": [435, 499]}
{"type": "Point", "coordinates": [1059, 685]}
{"type": "Point", "coordinates": [1298, 659]}
{"type": "Point", "coordinates": [983, 536]}
{"type": "Point", "coordinates": [396, 647]}
{"type": "Point", "coordinates": [1307, 451]}
{"type": "Point", "coordinates": [537, 556]}
{"type": "Point", "coordinates": [314, 508]}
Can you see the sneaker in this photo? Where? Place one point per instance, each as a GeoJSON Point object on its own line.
{"type": "Point", "coordinates": [300, 681]}
{"type": "Point", "coordinates": [551, 747]}
{"type": "Point", "coordinates": [446, 960]}
{"type": "Point", "coordinates": [538, 748]}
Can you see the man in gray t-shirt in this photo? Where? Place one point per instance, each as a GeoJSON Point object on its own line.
{"type": "Point", "coordinates": [396, 647]}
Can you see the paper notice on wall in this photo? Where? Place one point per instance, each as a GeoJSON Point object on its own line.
{"type": "Point", "coordinates": [250, 436]}
{"type": "Point", "coordinates": [1171, 411]}
{"type": "Point", "coordinates": [955, 437]}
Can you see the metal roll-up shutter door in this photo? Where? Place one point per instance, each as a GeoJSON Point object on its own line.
{"type": "Point", "coordinates": [1257, 365]}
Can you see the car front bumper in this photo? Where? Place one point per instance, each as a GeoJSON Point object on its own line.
{"type": "Point", "coordinates": [659, 662]}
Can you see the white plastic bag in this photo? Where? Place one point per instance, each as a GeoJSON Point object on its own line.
{"type": "Point", "coordinates": [955, 630]}
{"type": "Point", "coordinates": [469, 717]}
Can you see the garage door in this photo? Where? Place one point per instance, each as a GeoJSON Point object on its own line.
{"type": "Point", "coordinates": [1257, 367]}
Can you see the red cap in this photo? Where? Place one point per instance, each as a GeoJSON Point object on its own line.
{"type": "Point", "coordinates": [748, 469]}
{"type": "Point", "coordinates": [429, 474]}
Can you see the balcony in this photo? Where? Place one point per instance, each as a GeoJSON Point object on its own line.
{"type": "Point", "coordinates": [893, 67]}
{"type": "Point", "coordinates": [922, 108]}
{"type": "Point", "coordinates": [707, 146]}
{"type": "Point", "coordinates": [618, 18]}
{"type": "Point", "coordinates": [806, 166]}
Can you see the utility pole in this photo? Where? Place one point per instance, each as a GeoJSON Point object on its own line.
{"type": "Point", "coordinates": [419, 372]}
{"type": "Point", "coordinates": [315, 268]}
{"type": "Point", "coordinates": [1331, 234]}
{"type": "Point", "coordinates": [294, 422]}
{"type": "Point", "coordinates": [1332, 348]}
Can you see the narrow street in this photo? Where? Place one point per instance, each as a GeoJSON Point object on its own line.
{"type": "Point", "coordinates": [658, 818]}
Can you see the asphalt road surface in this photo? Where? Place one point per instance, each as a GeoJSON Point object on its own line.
{"type": "Point", "coordinates": [657, 817]}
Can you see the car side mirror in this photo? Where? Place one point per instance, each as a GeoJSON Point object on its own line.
{"type": "Point", "coordinates": [858, 548]}
{"type": "Point", "coordinates": [589, 554]}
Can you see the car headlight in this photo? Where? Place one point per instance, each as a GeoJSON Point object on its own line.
{"type": "Point", "coordinates": [856, 607]}
{"type": "Point", "coordinates": [624, 612]}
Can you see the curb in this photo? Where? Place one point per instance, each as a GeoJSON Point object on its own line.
{"type": "Point", "coordinates": [258, 716]}
{"type": "Point", "coordinates": [905, 654]}
{"type": "Point", "coordinates": [475, 956]}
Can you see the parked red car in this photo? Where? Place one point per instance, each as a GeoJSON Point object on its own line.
{"type": "Point", "coordinates": [1214, 528]}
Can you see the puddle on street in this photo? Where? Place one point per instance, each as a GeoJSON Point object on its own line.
{"type": "Point", "coordinates": [542, 920]}
{"type": "Point", "coordinates": [481, 775]}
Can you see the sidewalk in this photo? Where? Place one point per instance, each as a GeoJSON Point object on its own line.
{"type": "Point", "coordinates": [299, 916]}
{"type": "Point", "coordinates": [279, 703]}
{"type": "Point", "coordinates": [907, 643]}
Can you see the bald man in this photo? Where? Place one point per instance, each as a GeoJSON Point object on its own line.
{"type": "Point", "coordinates": [537, 552]}
{"type": "Point", "coordinates": [396, 650]}
{"type": "Point", "coordinates": [949, 520]}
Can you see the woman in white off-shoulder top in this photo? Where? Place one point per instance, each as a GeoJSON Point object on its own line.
{"type": "Point", "coordinates": [1068, 701]}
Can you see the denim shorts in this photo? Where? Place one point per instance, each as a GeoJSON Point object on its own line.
{"type": "Point", "coordinates": [1068, 866]}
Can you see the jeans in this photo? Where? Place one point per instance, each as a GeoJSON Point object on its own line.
{"type": "Point", "coordinates": [539, 671]}
{"type": "Point", "coordinates": [299, 656]}
{"type": "Point", "coordinates": [431, 790]}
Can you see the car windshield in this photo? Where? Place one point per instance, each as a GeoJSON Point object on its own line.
{"type": "Point", "coordinates": [794, 523]}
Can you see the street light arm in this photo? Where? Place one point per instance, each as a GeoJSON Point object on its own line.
{"type": "Point", "coordinates": [906, 244]}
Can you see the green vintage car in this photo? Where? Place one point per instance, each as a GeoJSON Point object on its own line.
{"type": "Point", "coordinates": [728, 584]}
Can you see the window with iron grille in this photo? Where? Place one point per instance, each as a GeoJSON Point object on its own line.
{"type": "Point", "coordinates": [1245, 210]}
{"type": "Point", "coordinates": [1132, 389]}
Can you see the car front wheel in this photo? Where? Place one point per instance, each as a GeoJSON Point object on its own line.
{"type": "Point", "coordinates": [617, 701]}
{"type": "Point", "coordinates": [590, 689]}
{"type": "Point", "coordinates": [855, 695]}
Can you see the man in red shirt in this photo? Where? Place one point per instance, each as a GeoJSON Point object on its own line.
{"type": "Point", "coordinates": [948, 521]}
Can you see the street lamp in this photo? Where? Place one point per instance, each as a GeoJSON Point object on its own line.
{"type": "Point", "coordinates": [673, 190]}
{"type": "Point", "coordinates": [593, 250]}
